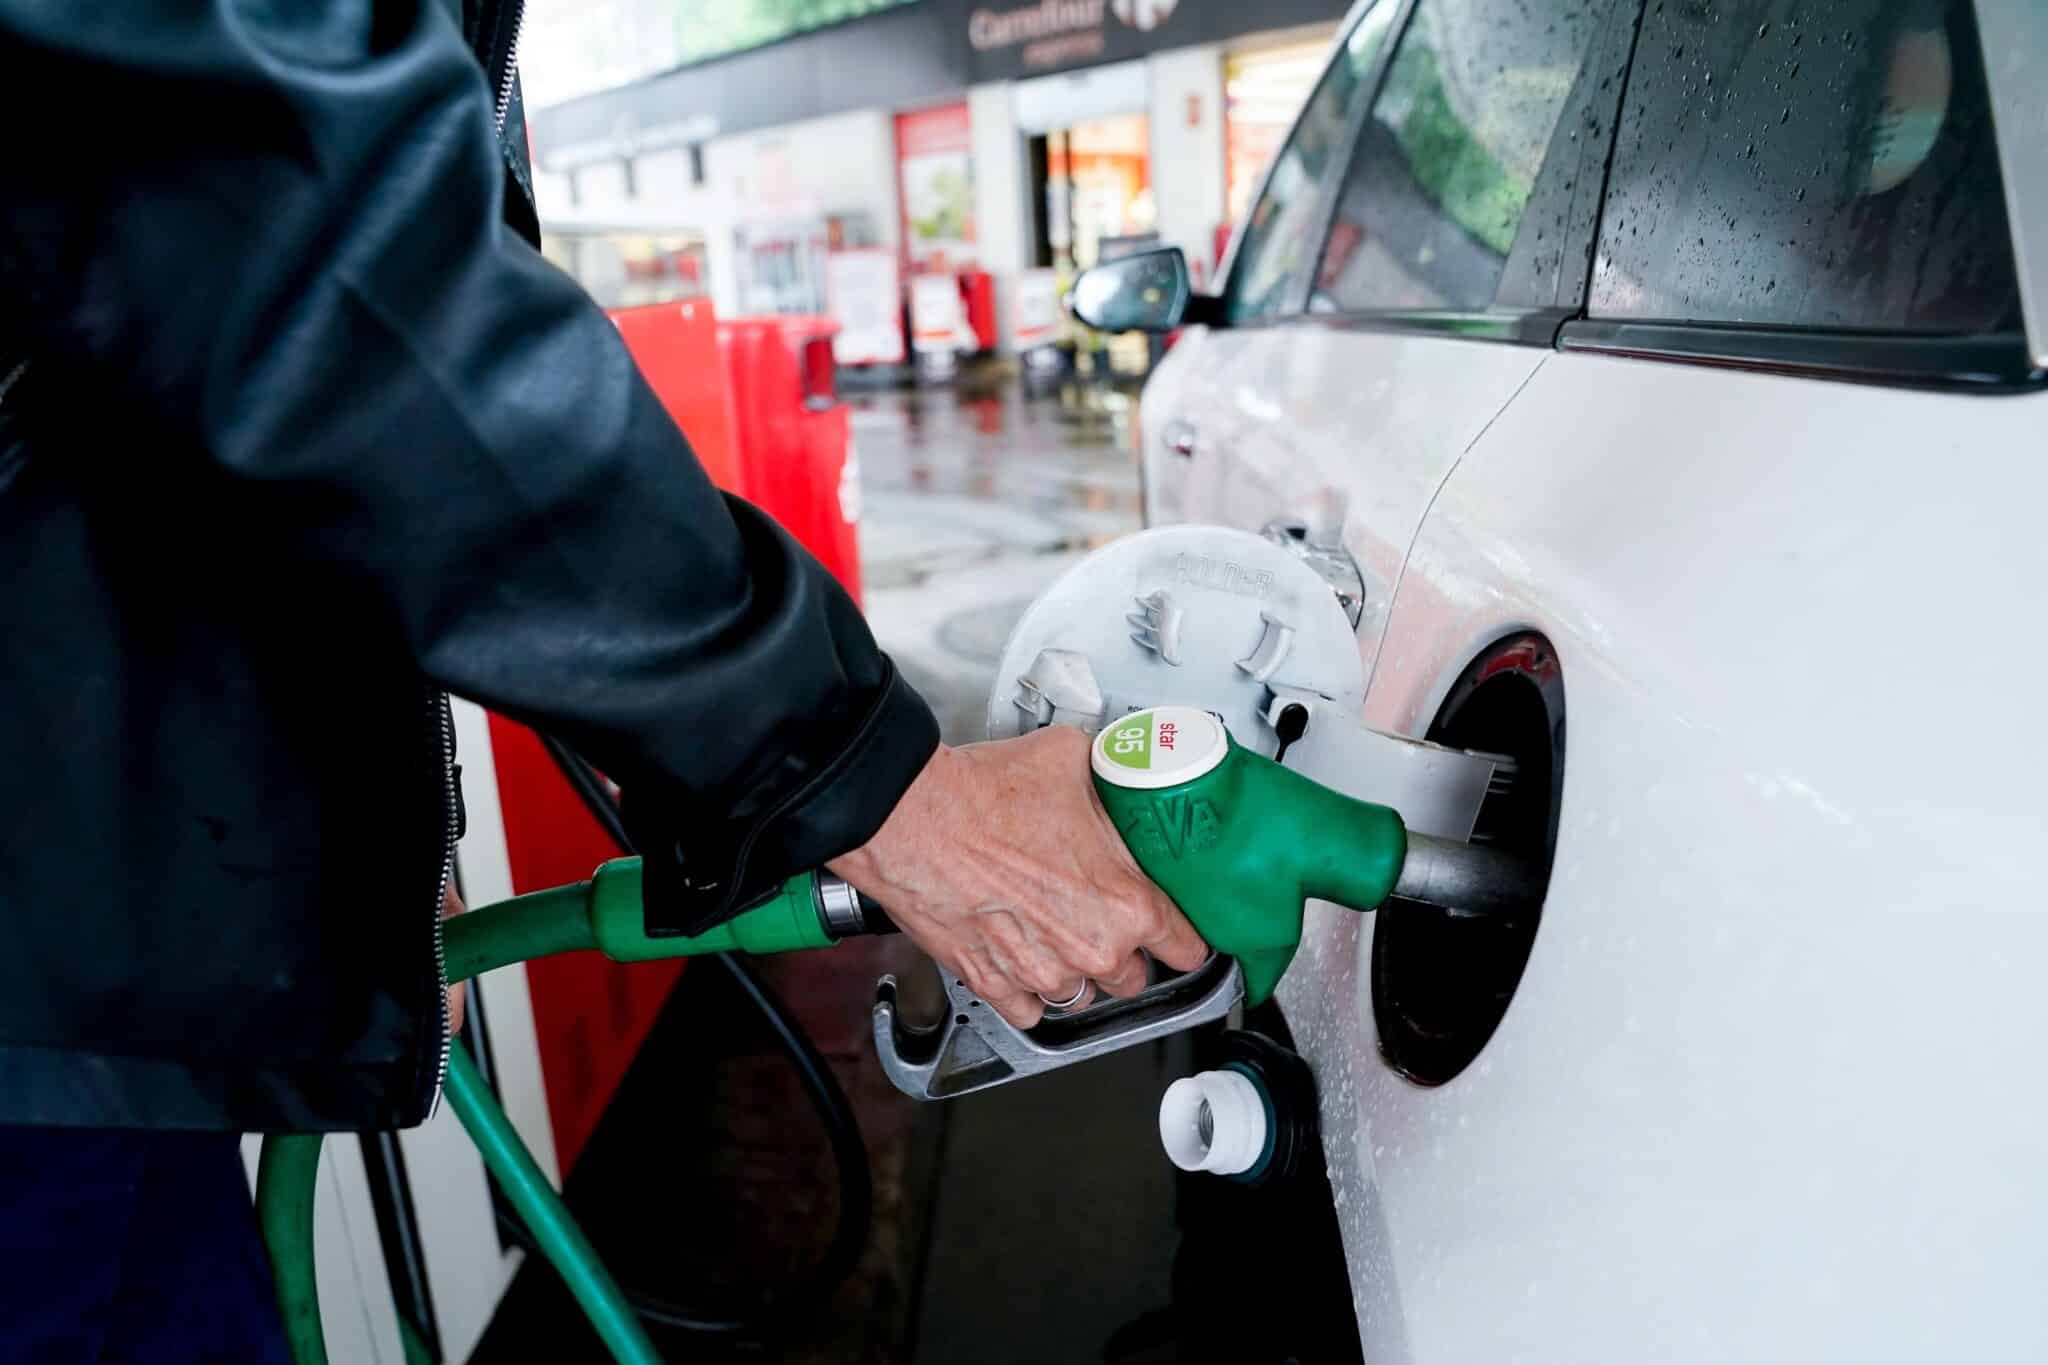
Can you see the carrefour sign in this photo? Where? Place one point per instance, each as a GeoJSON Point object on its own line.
{"type": "Point", "coordinates": [1058, 33]}
{"type": "Point", "coordinates": [1048, 19]}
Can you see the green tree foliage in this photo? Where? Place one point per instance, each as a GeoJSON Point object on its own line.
{"type": "Point", "coordinates": [714, 28]}
{"type": "Point", "coordinates": [1445, 154]}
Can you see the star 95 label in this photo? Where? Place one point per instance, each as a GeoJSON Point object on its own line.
{"type": "Point", "coordinates": [1165, 742]}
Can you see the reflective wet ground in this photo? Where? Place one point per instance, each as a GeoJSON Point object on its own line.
{"type": "Point", "coordinates": [1042, 1213]}
{"type": "Point", "coordinates": [972, 502]}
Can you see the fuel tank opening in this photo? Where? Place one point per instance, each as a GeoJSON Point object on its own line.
{"type": "Point", "coordinates": [1441, 980]}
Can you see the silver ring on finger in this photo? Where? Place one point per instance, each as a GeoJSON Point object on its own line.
{"type": "Point", "coordinates": [1070, 1001]}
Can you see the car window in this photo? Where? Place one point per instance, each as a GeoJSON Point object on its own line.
{"type": "Point", "coordinates": [1436, 192]}
{"type": "Point", "coordinates": [1280, 237]}
{"type": "Point", "coordinates": [1783, 164]}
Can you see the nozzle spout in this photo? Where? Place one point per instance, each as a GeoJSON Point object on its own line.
{"type": "Point", "coordinates": [1467, 879]}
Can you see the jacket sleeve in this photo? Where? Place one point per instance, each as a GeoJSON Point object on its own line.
{"type": "Point", "coordinates": [275, 229]}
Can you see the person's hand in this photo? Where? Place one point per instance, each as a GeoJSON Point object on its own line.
{"type": "Point", "coordinates": [451, 904]}
{"type": "Point", "coordinates": [1000, 863]}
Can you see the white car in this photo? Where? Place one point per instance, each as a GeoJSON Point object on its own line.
{"type": "Point", "coordinates": [1675, 370]}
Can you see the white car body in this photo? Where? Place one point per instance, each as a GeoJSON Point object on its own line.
{"type": "Point", "coordinates": [1769, 1086]}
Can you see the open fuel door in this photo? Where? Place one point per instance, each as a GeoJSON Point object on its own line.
{"type": "Point", "coordinates": [1200, 616]}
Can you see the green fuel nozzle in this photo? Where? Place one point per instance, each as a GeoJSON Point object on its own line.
{"type": "Point", "coordinates": [1242, 845]}
{"type": "Point", "coordinates": [1239, 842]}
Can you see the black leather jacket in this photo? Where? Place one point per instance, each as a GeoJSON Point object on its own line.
{"type": "Point", "coordinates": [296, 433]}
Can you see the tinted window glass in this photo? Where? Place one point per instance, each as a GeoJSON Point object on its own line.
{"type": "Point", "coordinates": [1280, 239]}
{"type": "Point", "coordinates": [1434, 199]}
{"type": "Point", "coordinates": [1818, 166]}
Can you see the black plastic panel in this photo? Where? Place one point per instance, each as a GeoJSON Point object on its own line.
{"type": "Point", "coordinates": [1993, 363]}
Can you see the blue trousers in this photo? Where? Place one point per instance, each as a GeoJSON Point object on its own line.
{"type": "Point", "coordinates": [119, 1247]}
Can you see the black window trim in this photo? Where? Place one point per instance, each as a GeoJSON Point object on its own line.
{"type": "Point", "coordinates": [1514, 326]}
{"type": "Point", "coordinates": [1984, 362]}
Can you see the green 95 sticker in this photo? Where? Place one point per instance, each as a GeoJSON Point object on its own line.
{"type": "Point", "coordinates": [1160, 745]}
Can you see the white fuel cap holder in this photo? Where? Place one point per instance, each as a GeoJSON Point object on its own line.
{"type": "Point", "coordinates": [1201, 616]}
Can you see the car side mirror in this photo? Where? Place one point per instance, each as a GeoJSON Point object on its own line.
{"type": "Point", "coordinates": [1149, 291]}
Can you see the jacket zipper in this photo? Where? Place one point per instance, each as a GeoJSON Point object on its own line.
{"type": "Point", "coordinates": [503, 63]}
{"type": "Point", "coordinates": [501, 67]}
{"type": "Point", "coordinates": [444, 749]}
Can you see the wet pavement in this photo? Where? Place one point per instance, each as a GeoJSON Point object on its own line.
{"type": "Point", "coordinates": [972, 501]}
{"type": "Point", "coordinates": [1041, 1214]}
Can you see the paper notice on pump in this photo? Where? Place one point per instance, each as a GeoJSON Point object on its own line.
{"type": "Point", "coordinates": [938, 319]}
{"type": "Point", "coordinates": [1035, 310]}
{"type": "Point", "coordinates": [862, 289]}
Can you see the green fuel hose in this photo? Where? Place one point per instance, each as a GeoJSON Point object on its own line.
{"type": "Point", "coordinates": [603, 913]}
{"type": "Point", "coordinates": [284, 1208]}
{"type": "Point", "coordinates": [539, 925]}
{"type": "Point", "coordinates": [284, 1198]}
{"type": "Point", "coordinates": [527, 1187]}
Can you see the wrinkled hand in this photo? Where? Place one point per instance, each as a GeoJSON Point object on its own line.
{"type": "Point", "coordinates": [451, 904]}
{"type": "Point", "coordinates": [1000, 863]}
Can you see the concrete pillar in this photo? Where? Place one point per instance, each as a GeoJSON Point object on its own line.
{"type": "Point", "coordinates": [1188, 181]}
{"type": "Point", "coordinates": [551, 195]}
{"type": "Point", "coordinates": [1002, 194]}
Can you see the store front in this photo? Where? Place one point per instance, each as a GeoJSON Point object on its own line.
{"type": "Point", "coordinates": [631, 267]}
{"type": "Point", "coordinates": [1097, 190]}
{"type": "Point", "coordinates": [1264, 87]}
{"type": "Point", "coordinates": [1013, 146]}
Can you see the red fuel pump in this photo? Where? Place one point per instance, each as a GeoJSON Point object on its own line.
{"type": "Point", "coordinates": [796, 456]}
{"type": "Point", "coordinates": [756, 398]}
